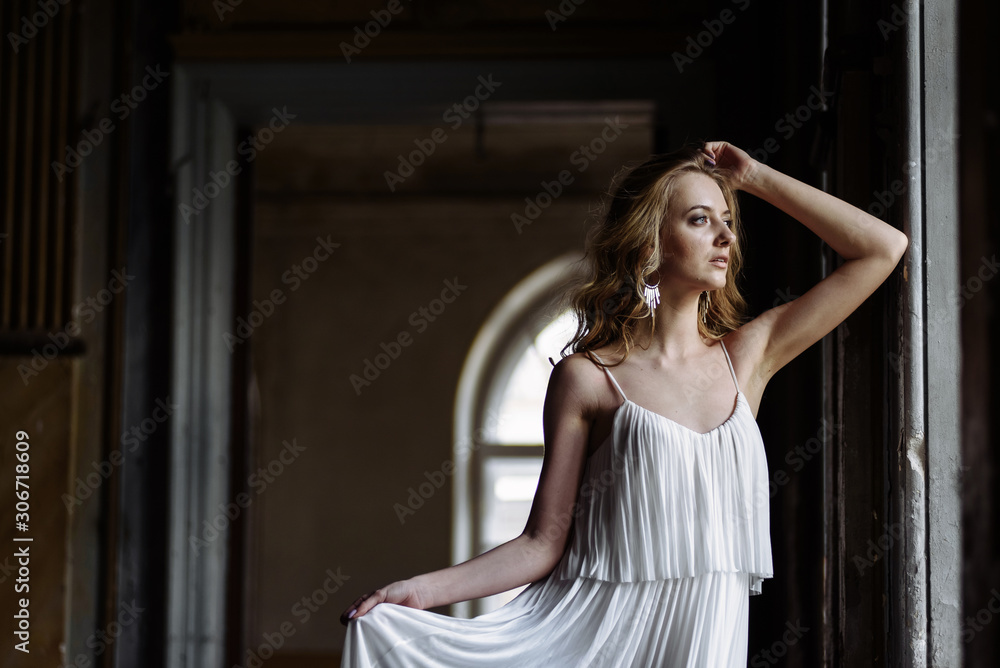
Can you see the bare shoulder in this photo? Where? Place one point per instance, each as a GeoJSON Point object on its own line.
{"type": "Point", "coordinates": [575, 372]}
{"type": "Point", "coordinates": [579, 380]}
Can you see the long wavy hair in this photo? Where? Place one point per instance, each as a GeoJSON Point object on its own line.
{"type": "Point", "coordinates": [624, 250]}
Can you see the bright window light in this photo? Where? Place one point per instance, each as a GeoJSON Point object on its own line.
{"type": "Point", "coordinates": [515, 488]}
{"type": "Point", "coordinates": [520, 410]}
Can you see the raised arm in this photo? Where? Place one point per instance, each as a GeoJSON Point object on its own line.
{"type": "Point", "coordinates": [871, 249]}
{"type": "Point", "coordinates": [566, 418]}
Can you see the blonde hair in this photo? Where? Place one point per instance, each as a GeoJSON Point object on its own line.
{"type": "Point", "coordinates": [624, 249]}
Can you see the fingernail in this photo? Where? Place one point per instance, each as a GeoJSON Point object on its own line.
{"type": "Point", "coordinates": [710, 160]}
{"type": "Point", "coordinates": [352, 613]}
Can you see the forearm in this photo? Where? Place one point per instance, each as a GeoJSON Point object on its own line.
{"type": "Point", "coordinates": [515, 563]}
{"type": "Point", "coordinates": [851, 232]}
{"type": "Point", "coordinates": [532, 555]}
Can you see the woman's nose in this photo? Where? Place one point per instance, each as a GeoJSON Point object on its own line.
{"type": "Point", "coordinates": [726, 237]}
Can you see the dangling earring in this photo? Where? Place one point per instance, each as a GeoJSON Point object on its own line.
{"type": "Point", "coordinates": [704, 306]}
{"type": "Point", "coordinates": [650, 294]}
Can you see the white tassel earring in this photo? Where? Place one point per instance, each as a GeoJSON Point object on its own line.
{"type": "Point", "coordinates": [650, 294]}
{"type": "Point", "coordinates": [704, 306]}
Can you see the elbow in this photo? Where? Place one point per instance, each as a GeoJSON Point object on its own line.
{"type": "Point", "coordinates": [899, 244]}
{"type": "Point", "coordinates": [555, 556]}
{"type": "Point", "coordinates": [546, 550]}
{"type": "Point", "coordinates": [891, 247]}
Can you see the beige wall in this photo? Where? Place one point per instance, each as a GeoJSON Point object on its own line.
{"type": "Point", "coordinates": [332, 507]}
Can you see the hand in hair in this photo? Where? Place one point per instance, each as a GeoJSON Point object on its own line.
{"type": "Point", "coordinates": [736, 161]}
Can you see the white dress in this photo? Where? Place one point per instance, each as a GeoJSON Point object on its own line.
{"type": "Point", "coordinates": [670, 537]}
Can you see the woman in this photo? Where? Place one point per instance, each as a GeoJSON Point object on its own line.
{"type": "Point", "coordinates": [658, 467]}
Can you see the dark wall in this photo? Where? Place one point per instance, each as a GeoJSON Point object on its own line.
{"type": "Point", "coordinates": [979, 130]}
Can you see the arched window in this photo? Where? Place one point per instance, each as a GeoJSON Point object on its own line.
{"type": "Point", "coordinates": [498, 415]}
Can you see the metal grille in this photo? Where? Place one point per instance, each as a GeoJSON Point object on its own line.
{"type": "Point", "coordinates": [37, 89]}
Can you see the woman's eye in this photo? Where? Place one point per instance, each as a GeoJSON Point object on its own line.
{"type": "Point", "coordinates": [703, 220]}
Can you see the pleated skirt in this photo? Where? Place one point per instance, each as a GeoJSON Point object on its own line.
{"type": "Point", "coordinates": [676, 623]}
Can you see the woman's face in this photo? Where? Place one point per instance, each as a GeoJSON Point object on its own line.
{"type": "Point", "coordinates": [695, 236]}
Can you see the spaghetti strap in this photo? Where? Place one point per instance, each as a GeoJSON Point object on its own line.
{"type": "Point", "coordinates": [731, 370]}
{"type": "Point", "coordinates": [608, 371]}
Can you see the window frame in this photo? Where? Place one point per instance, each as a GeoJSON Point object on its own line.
{"type": "Point", "coordinates": [509, 329]}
